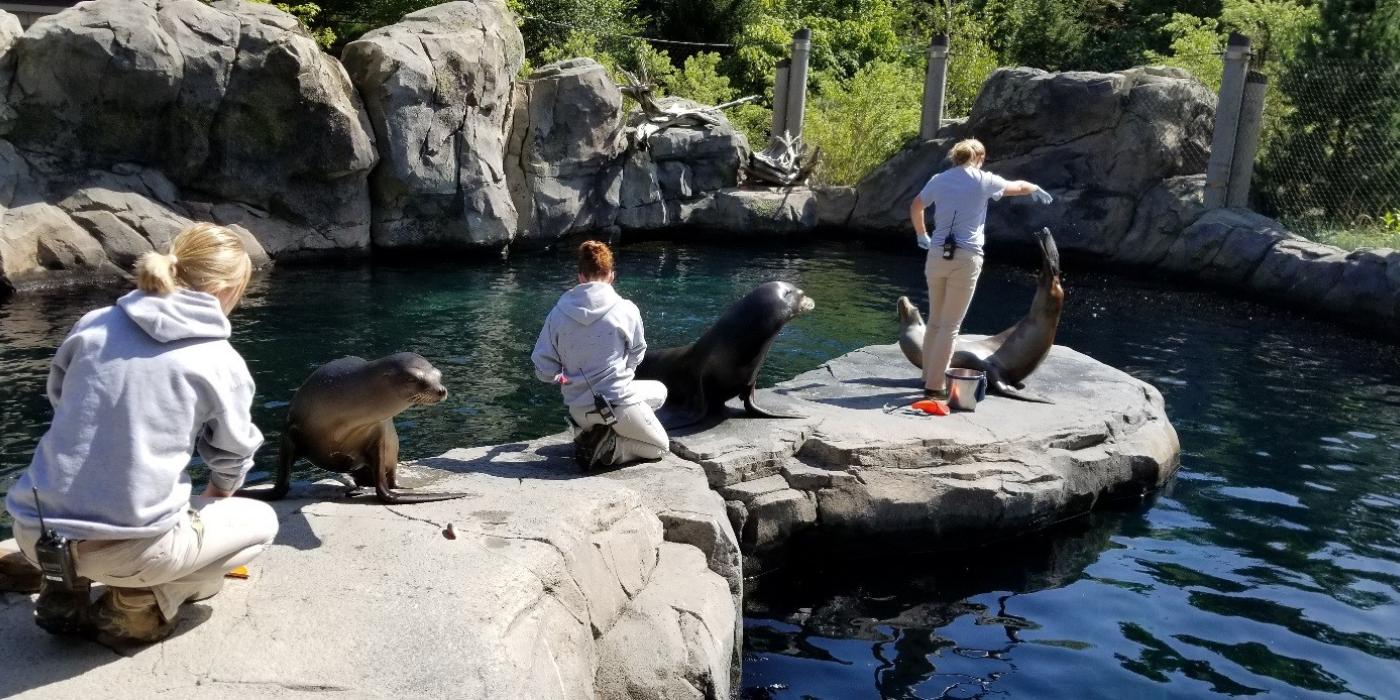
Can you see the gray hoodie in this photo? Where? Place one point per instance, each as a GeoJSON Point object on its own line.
{"type": "Point", "coordinates": [593, 336]}
{"type": "Point", "coordinates": [136, 388]}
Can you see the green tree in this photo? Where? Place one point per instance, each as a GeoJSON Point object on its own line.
{"type": "Point", "coordinates": [1338, 152]}
{"type": "Point", "coordinates": [861, 121]}
{"type": "Point", "coordinates": [699, 79]}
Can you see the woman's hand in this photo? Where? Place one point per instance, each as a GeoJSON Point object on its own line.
{"type": "Point", "coordinates": [212, 491]}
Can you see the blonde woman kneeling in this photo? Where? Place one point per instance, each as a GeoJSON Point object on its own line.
{"type": "Point", "coordinates": [959, 197]}
{"type": "Point", "coordinates": [136, 388]}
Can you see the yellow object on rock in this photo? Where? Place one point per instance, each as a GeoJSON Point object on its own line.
{"type": "Point", "coordinates": [240, 572]}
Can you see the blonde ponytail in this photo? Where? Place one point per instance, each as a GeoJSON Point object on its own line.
{"type": "Point", "coordinates": [204, 257]}
{"type": "Point", "coordinates": [964, 151]}
{"type": "Point", "coordinates": [155, 273]}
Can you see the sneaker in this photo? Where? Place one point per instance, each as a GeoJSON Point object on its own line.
{"type": "Point", "coordinates": [129, 615]}
{"type": "Point", "coordinates": [586, 445]}
{"type": "Point", "coordinates": [63, 611]}
{"type": "Point", "coordinates": [606, 451]}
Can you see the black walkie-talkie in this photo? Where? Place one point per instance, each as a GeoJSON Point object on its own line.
{"type": "Point", "coordinates": [600, 403]}
{"type": "Point", "coordinates": [950, 243]}
{"type": "Point", "coordinates": [55, 554]}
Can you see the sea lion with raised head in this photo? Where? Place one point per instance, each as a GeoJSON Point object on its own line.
{"type": "Point", "coordinates": [341, 419]}
{"type": "Point", "coordinates": [1013, 354]}
{"type": "Point", "coordinates": [724, 362]}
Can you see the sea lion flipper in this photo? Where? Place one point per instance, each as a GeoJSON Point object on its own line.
{"type": "Point", "coordinates": [1001, 388]}
{"type": "Point", "coordinates": [757, 411]}
{"type": "Point", "coordinates": [384, 460]}
{"type": "Point", "coordinates": [286, 457]}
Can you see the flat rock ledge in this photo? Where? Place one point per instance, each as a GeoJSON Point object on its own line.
{"type": "Point", "coordinates": [554, 587]}
{"type": "Point", "coordinates": [622, 584]}
{"type": "Point", "coordinates": [851, 470]}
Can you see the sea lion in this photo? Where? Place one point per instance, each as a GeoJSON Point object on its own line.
{"type": "Point", "coordinates": [341, 419]}
{"type": "Point", "coordinates": [1013, 354]}
{"type": "Point", "coordinates": [724, 362]}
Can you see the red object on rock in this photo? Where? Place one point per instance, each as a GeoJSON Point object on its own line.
{"type": "Point", "coordinates": [929, 406]}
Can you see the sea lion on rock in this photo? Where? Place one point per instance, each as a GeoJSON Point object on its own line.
{"type": "Point", "coordinates": [1013, 354]}
{"type": "Point", "coordinates": [724, 362]}
{"type": "Point", "coordinates": [342, 420]}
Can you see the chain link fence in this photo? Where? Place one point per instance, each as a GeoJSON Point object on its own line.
{"type": "Point", "coordinates": [1329, 164]}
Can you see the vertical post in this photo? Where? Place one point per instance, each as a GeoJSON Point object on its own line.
{"type": "Point", "coordinates": [1247, 139]}
{"type": "Point", "coordinates": [797, 82]}
{"type": "Point", "coordinates": [935, 84]}
{"type": "Point", "coordinates": [780, 90]}
{"type": "Point", "coordinates": [1227, 120]}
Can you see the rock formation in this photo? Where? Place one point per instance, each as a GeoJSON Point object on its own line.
{"type": "Point", "coordinates": [122, 120]}
{"type": "Point", "coordinates": [437, 86]}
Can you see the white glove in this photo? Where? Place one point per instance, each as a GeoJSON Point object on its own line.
{"type": "Point", "coordinates": [924, 240]}
{"type": "Point", "coordinates": [1041, 196]}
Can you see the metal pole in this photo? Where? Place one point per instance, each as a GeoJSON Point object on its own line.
{"type": "Point", "coordinates": [1247, 139]}
{"type": "Point", "coordinates": [1227, 120]}
{"type": "Point", "coordinates": [797, 82]}
{"type": "Point", "coordinates": [935, 84]}
{"type": "Point", "coordinates": [780, 97]}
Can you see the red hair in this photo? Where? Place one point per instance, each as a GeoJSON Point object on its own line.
{"type": "Point", "coordinates": [595, 261]}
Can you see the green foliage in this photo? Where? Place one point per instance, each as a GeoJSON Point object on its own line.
{"type": "Point", "coordinates": [754, 121]}
{"type": "Point", "coordinates": [1275, 29]}
{"type": "Point", "coordinates": [306, 14]}
{"type": "Point", "coordinates": [1337, 157]}
{"type": "Point", "coordinates": [699, 79]}
{"type": "Point", "coordinates": [861, 121]}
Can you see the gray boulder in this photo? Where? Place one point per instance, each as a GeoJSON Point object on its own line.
{"type": "Point", "coordinates": [232, 101]}
{"type": "Point", "coordinates": [1097, 141]}
{"type": "Point", "coordinates": [437, 86]}
{"type": "Point", "coordinates": [883, 196]}
{"type": "Point", "coordinates": [1161, 215]}
{"type": "Point", "coordinates": [765, 211]}
{"type": "Point", "coordinates": [1224, 246]}
{"type": "Point", "coordinates": [10, 30]}
{"type": "Point", "coordinates": [849, 469]}
{"type": "Point", "coordinates": [566, 132]}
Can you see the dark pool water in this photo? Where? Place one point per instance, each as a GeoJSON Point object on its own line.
{"type": "Point", "coordinates": [1270, 565]}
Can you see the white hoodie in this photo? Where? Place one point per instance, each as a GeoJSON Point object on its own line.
{"type": "Point", "coordinates": [594, 337]}
{"type": "Point", "coordinates": [136, 388]}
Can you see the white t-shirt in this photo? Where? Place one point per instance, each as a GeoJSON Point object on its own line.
{"type": "Point", "coordinates": [959, 197]}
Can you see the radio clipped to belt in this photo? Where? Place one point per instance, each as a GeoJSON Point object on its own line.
{"type": "Point", "coordinates": [950, 244]}
{"type": "Point", "coordinates": [600, 403]}
{"type": "Point", "coordinates": [55, 554]}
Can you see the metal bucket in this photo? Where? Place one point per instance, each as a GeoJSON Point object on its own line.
{"type": "Point", "coordinates": [965, 388]}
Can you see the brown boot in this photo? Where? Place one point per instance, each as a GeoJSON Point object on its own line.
{"type": "Point", "coordinates": [129, 616]}
{"type": "Point", "coordinates": [63, 611]}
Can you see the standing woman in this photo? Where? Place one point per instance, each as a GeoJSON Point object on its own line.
{"type": "Point", "coordinates": [591, 343]}
{"type": "Point", "coordinates": [959, 198]}
{"type": "Point", "coordinates": [136, 388]}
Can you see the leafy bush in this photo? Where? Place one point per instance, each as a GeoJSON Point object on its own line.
{"type": "Point", "coordinates": [699, 79]}
{"type": "Point", "coordinates": [862, 121]}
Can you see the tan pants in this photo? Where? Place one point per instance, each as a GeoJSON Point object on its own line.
{"type": "Point", "coordinates": [950, 287]}
{"type": "Point", "coordinates": [639, 433]}
{"type": "Point", "coordinates": [186, 563]}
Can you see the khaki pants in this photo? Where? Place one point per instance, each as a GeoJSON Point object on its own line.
{"type": "Point", "coordinates": [639, 433]}
{"type": "Point", "coordinates": [186, 563]}
{"type": "Point", "coordinates": [950, 287]}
